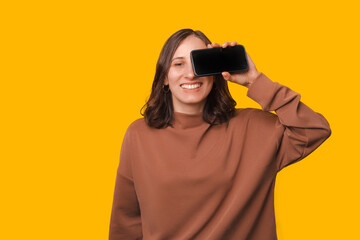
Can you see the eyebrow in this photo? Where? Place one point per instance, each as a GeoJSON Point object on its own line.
{"type": "Point", "coordinates": [176, 58]}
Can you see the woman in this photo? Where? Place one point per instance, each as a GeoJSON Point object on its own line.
{"type": "Point", "coordinates": [195, 167]}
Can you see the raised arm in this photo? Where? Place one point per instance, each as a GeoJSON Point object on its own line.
{"type": "Point", "coordinates": [125, 220]}
{"type": "Point", "coordinates": [303, 130]}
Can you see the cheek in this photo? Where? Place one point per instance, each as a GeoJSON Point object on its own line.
{"type": "Point", "coordinates": [173, 76]}
{"type": "Point", "coordinates": [209, 81]}
{"type": "Point", "coordinates": [169, 78]}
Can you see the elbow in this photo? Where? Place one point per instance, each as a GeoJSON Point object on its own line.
{"type": "Point", "coordinates": [326, 129]}
{"type": "Point", "coordinates": [328, 132]}
{"type": "Point", "coordinates": [316, 138]}
{"type": "Point", "coordinates": [325, 134]}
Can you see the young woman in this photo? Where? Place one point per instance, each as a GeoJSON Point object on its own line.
{"type": "Point", "coordinates": [196, 167]}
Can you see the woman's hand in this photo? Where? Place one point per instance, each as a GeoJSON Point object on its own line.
{"type": "Point", "coordinates": [243, 78]}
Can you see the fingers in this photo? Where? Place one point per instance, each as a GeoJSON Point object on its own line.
{"type": "Point", "coordinates": [226, 44]}
{"type": "Point", "coordinates": [213, 45]}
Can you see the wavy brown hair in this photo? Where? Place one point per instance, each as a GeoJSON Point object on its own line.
{"type": "Point", "coordinates": [159, 112]}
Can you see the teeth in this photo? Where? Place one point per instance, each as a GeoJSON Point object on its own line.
{"type": "Point", "coordinates": [191, 86]}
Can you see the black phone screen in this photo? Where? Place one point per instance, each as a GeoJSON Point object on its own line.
{"type": "Point", "coordinates": [211, 61]}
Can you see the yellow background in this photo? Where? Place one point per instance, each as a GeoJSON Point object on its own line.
{"type": "Point", "coordinates": [74, 75]}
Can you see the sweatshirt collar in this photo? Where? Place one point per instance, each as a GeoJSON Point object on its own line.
{"type": "Point", "coordinates": [186, 120]}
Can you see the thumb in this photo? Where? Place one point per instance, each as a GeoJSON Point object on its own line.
{"type": "Point", "coordinates": [226, 75]}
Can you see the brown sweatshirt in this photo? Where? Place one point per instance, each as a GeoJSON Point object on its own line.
{"type": "Point", "coordinates": [212, 182]}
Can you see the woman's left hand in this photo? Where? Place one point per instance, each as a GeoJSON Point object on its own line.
{"type": "Point", "coordinates": [243, 78]}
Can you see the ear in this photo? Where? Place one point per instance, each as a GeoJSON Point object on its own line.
{"type": "Point", "coordinates": [166, 81]}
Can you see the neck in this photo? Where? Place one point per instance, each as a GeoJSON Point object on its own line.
{"type": "Point", "coordinates": [193, 108]}
{"type": "Point", "coordinates": [188, 120]}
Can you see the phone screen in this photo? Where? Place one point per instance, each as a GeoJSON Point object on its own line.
{"type": "Point", "coordinates": [211, 61]}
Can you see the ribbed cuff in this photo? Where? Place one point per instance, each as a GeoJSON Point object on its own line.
{"type": "Point", "coordinates": [262, 91]}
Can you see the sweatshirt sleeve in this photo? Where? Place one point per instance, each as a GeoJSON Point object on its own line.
{"type": "Point", "coordinates": [125, 222]}
{"type": "Point", "coordinates": [302, 129]}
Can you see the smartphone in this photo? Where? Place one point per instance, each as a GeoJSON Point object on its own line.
{"type": "Point", "coordinates": [212, 61]}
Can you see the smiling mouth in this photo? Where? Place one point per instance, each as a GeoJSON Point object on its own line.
{"type": "Point", "coordinates": [191, 86]}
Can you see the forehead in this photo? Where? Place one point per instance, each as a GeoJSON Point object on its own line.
{"type": "Point", "coordinates": [187, 45]}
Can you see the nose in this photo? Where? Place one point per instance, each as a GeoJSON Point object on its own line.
{"type": "Point", "coordinates": [190, 72]}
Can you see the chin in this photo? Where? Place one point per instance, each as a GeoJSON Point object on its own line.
{"type": "Point", "coordinates": [193, 101]}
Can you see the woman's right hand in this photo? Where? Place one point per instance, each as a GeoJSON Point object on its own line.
{"type": "Point", "coordinates": [243, 78]}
